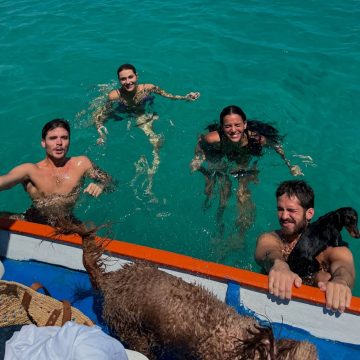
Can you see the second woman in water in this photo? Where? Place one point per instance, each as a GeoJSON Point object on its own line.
{"type": "Point", "coordinates": [231, 149]}
{"type": "Point", "coordinates": [133, 100]}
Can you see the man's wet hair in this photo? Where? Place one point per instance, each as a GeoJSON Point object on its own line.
{"type": "Point", "coordinates": [299, 188]}
{"type": "Point", "coordinates": [126, 67]}
{"type": "Point", "coordinates": [54, 124]}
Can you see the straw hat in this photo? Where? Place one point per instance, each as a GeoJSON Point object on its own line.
{"type": "Point", "coordinates": [20, 305]}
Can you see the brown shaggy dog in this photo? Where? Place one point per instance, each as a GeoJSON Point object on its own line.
{"type": "Point", "coordinates": [164, 317]}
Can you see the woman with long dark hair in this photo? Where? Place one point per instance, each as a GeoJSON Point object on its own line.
{"type": "Point", "coordinates": [231, 149]}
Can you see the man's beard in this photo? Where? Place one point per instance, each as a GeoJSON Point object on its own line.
{"type": "Point", "coordinates": [297, 230]}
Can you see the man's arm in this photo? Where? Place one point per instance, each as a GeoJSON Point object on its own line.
{"type": "Point", "coordinates": [15, 176]}
{"type": "Point", "coordinates": [190, 96]}
{"type": "Point", "coordinates": [268, 254]}
{"type": "Point", "coordinates": [268, 249]}
{"type": "Point", "coordinates": [102, 179]}
{"type": "Point", "coordinates": [342, 270]}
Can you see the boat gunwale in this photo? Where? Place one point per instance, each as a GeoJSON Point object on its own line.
{"type": "Point", "coordinates": [176, 261]}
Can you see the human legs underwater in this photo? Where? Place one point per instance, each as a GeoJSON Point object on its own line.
{"type": "Point", "coordinates": [213, 177]}
{"type": "Point", "coordinates": [246, 207]}
{"type": "Point", "coordinates": [145, 123]}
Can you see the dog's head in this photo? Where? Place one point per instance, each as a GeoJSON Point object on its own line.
{"type": "Point", "coordinates": [261, 345]}
{"type": "Point", "coordinates": [349, 219]}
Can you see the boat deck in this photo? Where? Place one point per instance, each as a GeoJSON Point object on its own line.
{"type": "Point", "coordinates": [75, 286]}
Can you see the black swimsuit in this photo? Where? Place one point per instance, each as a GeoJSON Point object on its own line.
{"type": "Point", "coordinates": [255, 132]}
{"type": "Point", "coordinates": [147, 100]}
{"type": "Point", "coordinates": [233, 151]}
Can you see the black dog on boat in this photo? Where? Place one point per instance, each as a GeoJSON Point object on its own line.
{"type": "Point", "coordinates": [319, 235]}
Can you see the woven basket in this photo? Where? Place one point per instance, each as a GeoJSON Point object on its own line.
{"type": "Point", "coordinates": [20, 305]}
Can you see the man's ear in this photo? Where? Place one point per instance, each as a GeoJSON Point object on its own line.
{"type": "Point", "coordinates": [43, 143]}
{"type": "Point", "coordinates": [309, 213]}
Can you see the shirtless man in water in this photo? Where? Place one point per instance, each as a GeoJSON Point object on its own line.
{"type": "Point", "coordinates": [54, 183]}
{"type": "Point", "coordinates": [133, 99]}
{"type": "Point", "coordinates": [295, 207]}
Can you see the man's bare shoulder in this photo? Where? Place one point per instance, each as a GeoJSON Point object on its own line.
{"type": "Point", "coordinates": [270, 236]}
{"type": "Point", "coordinates": [267, 243]}
{"type": "Point", "coordinates": [28, 166]}
{"type": "Point", "coordinates": [80, 161]}
{"type": "Point", "coordinates": [331, 254]}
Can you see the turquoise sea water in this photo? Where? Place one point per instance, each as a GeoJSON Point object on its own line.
{"type": "Point", "coordinates": [294, 64]}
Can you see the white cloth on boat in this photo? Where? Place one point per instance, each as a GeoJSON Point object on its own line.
{"type": "Point", "coordinates": [134, 355]}
{"type": "Point", "coordinates": [2, 269]}
{"type": "Point", "coordinates": [69, 342]}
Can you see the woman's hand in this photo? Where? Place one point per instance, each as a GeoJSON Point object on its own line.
{"type": "Point", "coordinates": [103, 132]}
{"type": "Point", "coordinates": [196, 163]}
{"type": "Point", "coordinates": [296, 171]}
{"type": "Point", "coordinates": [192, 96]}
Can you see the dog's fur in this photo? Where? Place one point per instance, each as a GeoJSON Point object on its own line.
{"type": "Point", "coordinates": [319, 235]}
{"type": "Point", "coordinates": [164, 317]}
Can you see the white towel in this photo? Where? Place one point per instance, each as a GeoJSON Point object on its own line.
{"type": "Point", "coordinates": [70, 342]}
{"type": "Point", "coordinates": [2, 269]}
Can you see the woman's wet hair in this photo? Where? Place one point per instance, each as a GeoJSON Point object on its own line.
{"type": "Point", "coordinates": [231, 109]}
{"type": "Point", "coordinates": [299, 188]}
{"type": "Point", "coordinates": [254, 131]}
{"type": "Point", "coordinates": [54, 124]}
{"type": "Point", "coordinates": [126, 67]}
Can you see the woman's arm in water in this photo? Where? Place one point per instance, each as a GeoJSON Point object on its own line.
{"type": "Point", "coordinates": [199, 157]}
{"type": "Point", "coordinates": [99, 117]}
{"type": "Point", "coordinates": [191, 96]}
{"type": "Point", "coordinates": [294, 169]}
{"type": "Point", "coordinates": [269, 136]}
{"type": "Point", "coordinates": [101, 114]}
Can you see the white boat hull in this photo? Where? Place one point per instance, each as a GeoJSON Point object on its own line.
{"type": "Point", "coordinates": [23, 241]}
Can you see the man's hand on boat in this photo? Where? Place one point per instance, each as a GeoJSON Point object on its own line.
{"type": "Point", "coordinates": [281, 280]}
{"type": "Point", "coordinates": [338, 294]}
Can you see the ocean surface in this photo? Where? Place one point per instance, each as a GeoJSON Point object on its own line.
{"type": "Point", "coordinates": [293, 64]}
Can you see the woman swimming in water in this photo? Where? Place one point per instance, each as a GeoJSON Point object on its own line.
{"type": "Point", "coordinates": [231, 149]}
{"type": "Point", "coordinates": [133, 99]}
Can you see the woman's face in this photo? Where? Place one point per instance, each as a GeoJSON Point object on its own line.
{"type": "Point", "coordinates": [128, 79]}
{"type": "Point", "coordinates": [233, 127]}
